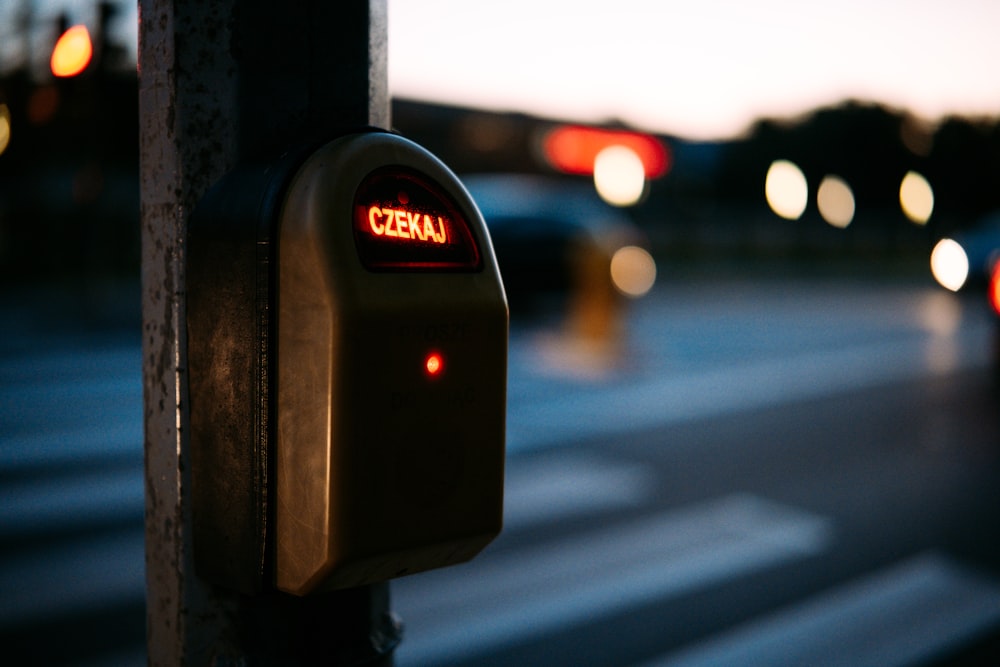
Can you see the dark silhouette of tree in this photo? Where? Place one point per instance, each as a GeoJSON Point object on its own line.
{"type": "Point", "coordinates": [964, 168]}
{"type": "Point", "coordinates": [872, 148]}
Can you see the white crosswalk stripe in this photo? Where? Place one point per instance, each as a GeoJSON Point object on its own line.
{"type": "Point", "coordinates": [921, 607]}
{"type": "Point", "coordinates": [575, 415]}
{"type": "Point", "coordinates": [497, 601]}
{"type": "Point", "coordinates": [569, 484]}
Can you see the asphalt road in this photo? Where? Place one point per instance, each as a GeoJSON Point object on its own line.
{"type": "Point", "coordinates": [773, 473]}
{"type": "Point", "coordinates": [762, 471]}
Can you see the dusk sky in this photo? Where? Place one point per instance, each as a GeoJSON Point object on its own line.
{"type": "Point", "coordinates": [703, 69]}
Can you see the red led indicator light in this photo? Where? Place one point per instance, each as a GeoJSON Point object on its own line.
{"type": "Point", "coordinates": [434, 364]}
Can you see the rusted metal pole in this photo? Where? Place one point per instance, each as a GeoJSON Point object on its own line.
{"type": "Point", "coordinates": [219, 83]}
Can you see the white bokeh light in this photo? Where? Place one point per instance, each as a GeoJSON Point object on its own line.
{"type": "Point", "coordinates": [619, 176]}
{"type": "Point", "coordinates": [916, 198]}
{"type": "Point", "coordinates": [835, 201]}
{"type": "Point", "coordinates": [786, 189]}
{"type": "Point", "coordinates": [950, 264]}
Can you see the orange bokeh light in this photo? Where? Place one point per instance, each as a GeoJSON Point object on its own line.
{"type": "Point", "coordinates": [72, 52]}
{"type": "Point", "coordinates": [574, 148]}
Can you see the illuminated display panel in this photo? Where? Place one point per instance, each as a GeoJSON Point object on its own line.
{"type": "Point", "coordinates": [404, 221]}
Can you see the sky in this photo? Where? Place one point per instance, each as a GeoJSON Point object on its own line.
{"type": "Point", "coordinates": [703, 69]}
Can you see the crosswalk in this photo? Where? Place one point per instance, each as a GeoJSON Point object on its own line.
{"type": "Point", "coordinates": [578, 411]}
{"type": "Point", "coordinates": [71, 504]}
{"type": "Point", "coordinates": [923, 606]}
{"type": "Point", "coordinates": [585, 537]}
{"type": "Point", "coordinates": [520, 595]}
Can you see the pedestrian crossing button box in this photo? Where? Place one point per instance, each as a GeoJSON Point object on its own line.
{"type": "Point", "coordinates": [370, 342]}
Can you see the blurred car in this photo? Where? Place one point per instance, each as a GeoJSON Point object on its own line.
{"type": "Point", "coordinates": [556, 240]}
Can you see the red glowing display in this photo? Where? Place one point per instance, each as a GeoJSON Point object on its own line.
{"type": "Point", "coordinates": [404, 221]}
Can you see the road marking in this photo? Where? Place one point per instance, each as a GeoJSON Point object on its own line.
{"type": "Point", "coordinates": [558, 487]}
{"type": "Point", "coordinates": [903, 615]}
{"type": "Point", "coordinates": [546, 489]}
{"type": "Point", "coordinates": [50, 504]}
{"type": "Point", "coordinates": [114, 443]}
{"type": "Point", "coordinates": [510, 597]}
{"type": "Point", "coordinates": [77, 362]}
{"type": "Point", "coordinates": [70, 404]}
{"type": "Point", "coordinates": [610, 410]}
{"type": "Point", "coordinates": [73, 578]}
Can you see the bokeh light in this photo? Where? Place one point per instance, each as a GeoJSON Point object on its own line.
{"type": "Point", "coordinates": [916, 197]}
{"type": "Point", "coordinates": [72, 52]}
{"type": "Point", "coordinates": [4, 128]}
{"type": "Point", "coordinates": [619, 176]}
{"type": "Point", "coordinates": [949, 264]}
{"type": "Point", "coordinates": [786, 189]}
{"type": "Point", "coordinates": [573, 148]}
{"type": "Point", "coordinates": [835, 200]}
{"type": "Point", "coordinates": [633, 271]}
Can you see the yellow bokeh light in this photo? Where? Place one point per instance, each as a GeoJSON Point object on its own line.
{"type": "Point", "coordinates": [786, 189]}
{"type": "Point", "coordinates": [950, 264]}
{"type": "Point", "coordinates": [4, 128]}
{"type": "Point", "coordinates": [72, 52]}
{"type": "Point", "coordinates": [916, 197]}
{"type": "Point", "coordinates": [633, 271]}
{"type": "Point", "coordinates": [835, 201]}
{"type": "Point", "coordinates": [619, 176]}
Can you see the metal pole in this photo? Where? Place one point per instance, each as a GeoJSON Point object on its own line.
{"type": "Point", "coordinates": [222, 82]}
